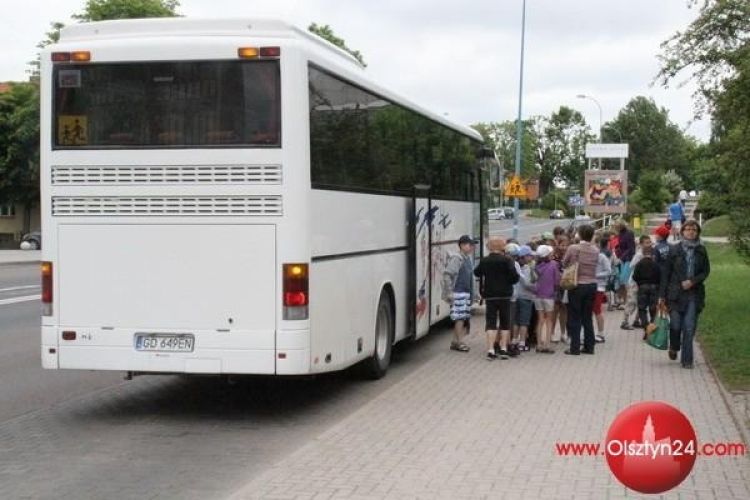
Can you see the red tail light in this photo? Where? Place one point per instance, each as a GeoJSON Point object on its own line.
{"type": "Point", "coordinates": [47, 288]}
{"type": "Point", "coordinates": [270, 52]}
{"type": "Point", "coordinates": [295, 299]}
{"type": "Point", "coordinates": [296, 291]}
{"type": "Point", "coordinates": [60, 56]}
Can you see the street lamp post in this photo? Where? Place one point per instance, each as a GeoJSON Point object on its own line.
{"type": "Point", "coordinates": [601, 130]}
{"type": "Point", "coordinates": [519, 123]}
{"type": "Point", "coordinates": [619, 134]}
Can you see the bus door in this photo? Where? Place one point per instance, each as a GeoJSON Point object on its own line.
{"type": "Point", "coordinates": [420, 255]}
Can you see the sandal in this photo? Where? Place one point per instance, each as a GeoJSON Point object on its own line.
{"type": "Point", "coordinates": [460, 346]}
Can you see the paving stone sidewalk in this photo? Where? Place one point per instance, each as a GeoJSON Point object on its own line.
{"type": "Point", "coordinates": [462, 427]}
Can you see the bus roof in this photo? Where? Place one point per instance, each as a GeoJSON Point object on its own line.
{"type": "Point", "coordinates": [242, 27]}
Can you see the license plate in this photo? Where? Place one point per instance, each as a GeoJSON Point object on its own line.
{"type": "Point", "coordinates": [183, 342]}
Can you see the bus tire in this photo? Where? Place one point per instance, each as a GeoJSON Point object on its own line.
{"type": "Point", "coordinates": [377, 365]}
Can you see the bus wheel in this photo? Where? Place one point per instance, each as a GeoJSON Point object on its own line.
{"type": "Point", "coordinates": [376, 366]}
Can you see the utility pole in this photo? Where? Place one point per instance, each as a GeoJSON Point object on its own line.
{"type": "Point", "coordinates": [519, 123]}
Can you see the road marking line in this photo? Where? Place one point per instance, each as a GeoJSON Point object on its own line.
{"type": "Point", "coordinates": [19, 288]}
{"type": "Point", "coordinates": [16, 300]}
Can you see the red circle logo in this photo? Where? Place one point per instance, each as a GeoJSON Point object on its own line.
{"type": "Point", "coordinates": [651, 447]}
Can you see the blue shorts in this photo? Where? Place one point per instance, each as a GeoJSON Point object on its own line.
{"type": "Point", "coordinates": [461, 306]}
{"type": "Point", "coordinates": [524, 308]}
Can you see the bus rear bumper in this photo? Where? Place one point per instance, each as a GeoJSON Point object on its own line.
{"type": "Point", "coordinates": [213, 353]}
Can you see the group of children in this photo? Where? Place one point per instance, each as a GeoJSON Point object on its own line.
{"type": "Point", "coordinates": [525, 304]}
{"type": "Point", "coordinates": [642, 285]}
{"type": "Point", "coordinates": [519, 285]}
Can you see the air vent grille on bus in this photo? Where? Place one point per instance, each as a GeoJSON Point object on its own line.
{"type": "Point", "coordinates": [81, 175]}
{"type": "Point", "coordinates": [84, 206]}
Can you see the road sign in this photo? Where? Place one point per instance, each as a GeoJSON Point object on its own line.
{"type": "Point", "coordinates": [514, 188]}
{"type": "Point", "coordinates": [576, 200]}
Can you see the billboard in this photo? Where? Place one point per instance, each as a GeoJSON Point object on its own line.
{"type": "Point", "coordinates": [598, 150]}
{"type": "Point", "coordinates": [606, 191]}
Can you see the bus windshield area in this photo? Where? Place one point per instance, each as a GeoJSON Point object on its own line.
{"type": "Point", "coordinates": [167, 104]}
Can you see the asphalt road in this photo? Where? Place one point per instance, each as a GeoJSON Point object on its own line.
{"type": "Point", "coordinates": [25, 385]}
{"type": "Point", "coordinates": [527, 227]}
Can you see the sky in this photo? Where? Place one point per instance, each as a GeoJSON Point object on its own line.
{"type": "Point", "coordinates": [459, 59]}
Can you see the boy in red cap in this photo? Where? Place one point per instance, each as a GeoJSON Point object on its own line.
{"type": "Point", "coordinates": [661, 248]}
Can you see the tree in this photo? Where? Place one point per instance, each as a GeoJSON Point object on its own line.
{"type": "Point", "coordinates": [655, 142]}
{"type": "Point", "coordinates": [715, 49]}
{"type": "Point", "coordinates": [19, 147]}
{"type": "Point", "coordinates": [326, 33]}
{"type": "Point", "coordinates": [102, 10]}
{"type": "Point", "coordinates": [561, 149]}
{"type": "Point", "coordinates": [501, 137]}
{"type": "Point", "coordinates": [651, 195]}
{"type": "Point", "coordinates": [672, 182]}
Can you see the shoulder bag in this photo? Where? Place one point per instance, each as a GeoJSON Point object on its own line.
{"type": "Point", "coordinates": [569, 278]}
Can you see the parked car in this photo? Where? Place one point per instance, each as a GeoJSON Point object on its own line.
{"type": "Point", "coordinates": [32, 241]}
{"type": "Point", "coordinates": [509, 212]}
{"type": "Point", "coordinates": [495, 214]}
{"type": "Point", "coordinates": [557, 214]}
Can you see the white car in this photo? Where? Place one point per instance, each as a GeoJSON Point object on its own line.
{"type": "Point", "coordinates": [496, 214]}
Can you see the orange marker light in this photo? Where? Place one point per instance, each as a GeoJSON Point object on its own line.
{"type": "Point", "coordinates": [80, 56]}
{"type": "Point", "coordinates": [248, 52]}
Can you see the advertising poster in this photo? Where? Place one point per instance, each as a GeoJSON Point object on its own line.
{"type": "Point", "coordinates": [606, 191]}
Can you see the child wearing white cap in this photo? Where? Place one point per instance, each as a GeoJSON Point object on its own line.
{"type": "Point", "coordinates": [526, 295]}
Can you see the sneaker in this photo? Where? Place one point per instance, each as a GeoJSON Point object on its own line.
{"type": "Point", "coordinates": [459, 346]}
{"type": "Point", "coordinates": [599, 339]}
{"type": "Point", "coordinates": [625, 326]}
{"type": "Point", "coordinates": [513, 351]}
{"type": "Point", "coordinates": [672, 354]}
{"type": "Point", "coordinates": [491, 356]}
{"type": "Point", "coordinates": [502, 354]}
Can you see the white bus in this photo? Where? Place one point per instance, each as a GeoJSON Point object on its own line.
{"type": "Point", "coordinates": [237, 197]}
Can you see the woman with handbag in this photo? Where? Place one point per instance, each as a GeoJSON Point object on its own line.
{"type": "Point", "coordinates": [579, 277]}
{"type": "Point", "coordinates": [682, 275]}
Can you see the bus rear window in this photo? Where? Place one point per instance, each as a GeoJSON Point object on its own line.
{"type": "Point", "coordinates": [167, 104]}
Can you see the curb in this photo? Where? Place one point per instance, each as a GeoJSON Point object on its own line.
{"type": "Point", "coordinates": [20, 262]}
{"type": "Point", "coordinates": [737, 418]}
